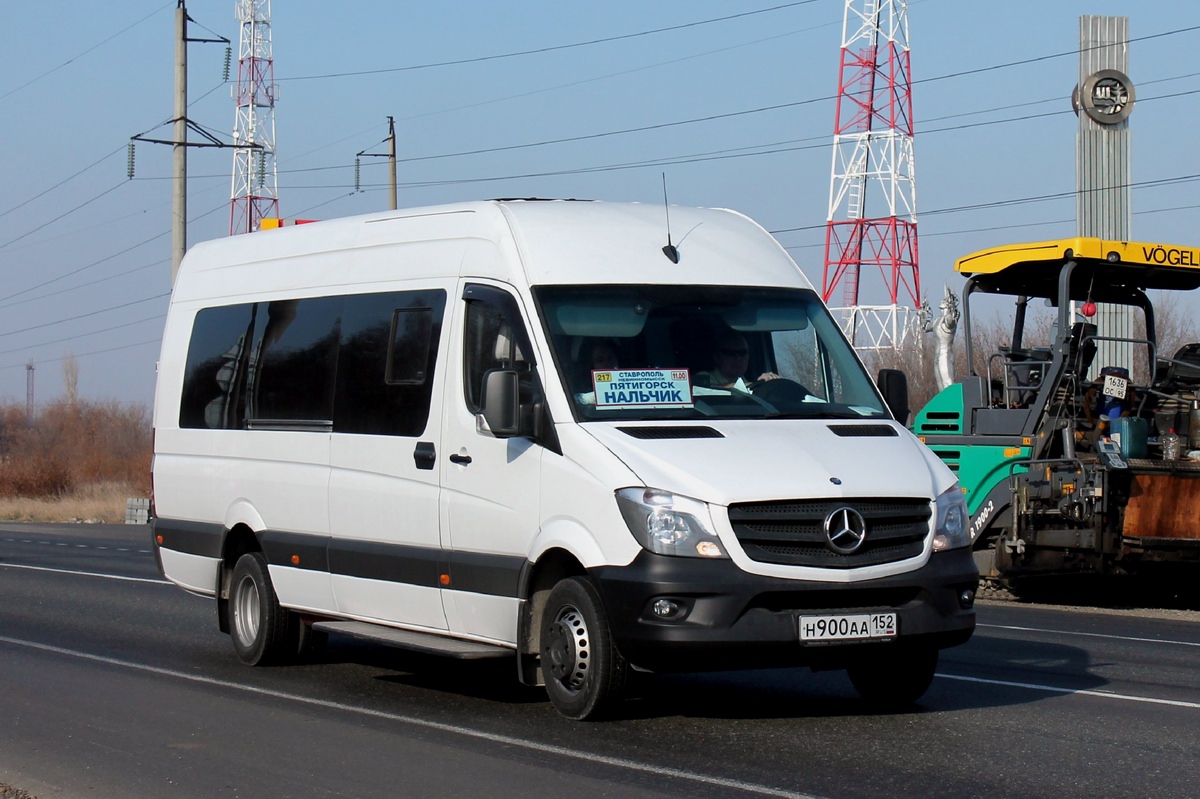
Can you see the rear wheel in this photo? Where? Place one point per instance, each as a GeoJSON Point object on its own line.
{"type": "Point", "coordinates": [897, 679]}
{"type": "Point", "coordinates": [583, 671]}
{"type": "Point", "coordinates": [263, 632]}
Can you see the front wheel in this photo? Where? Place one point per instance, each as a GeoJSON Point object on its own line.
{"type": "Point", "coordinates": [583, 671]}
{"type": "Point", "coordinates": [262, 630]}
{"type": "Point", "coordinates": [896, 679]}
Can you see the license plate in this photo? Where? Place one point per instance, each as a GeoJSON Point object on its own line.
{"type": "Point", "coordinates": [848, 627]}
{"type": "Point", "coordinates": [1115, 386]}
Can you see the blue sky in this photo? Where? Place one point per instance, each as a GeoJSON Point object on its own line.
{"type": "Point", "coordinates": [738, 113]}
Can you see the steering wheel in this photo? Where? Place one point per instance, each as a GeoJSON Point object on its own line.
{"type": "Point", "coordinates": [781, 389]}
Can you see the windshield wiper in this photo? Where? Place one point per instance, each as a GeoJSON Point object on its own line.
{"type": "Point", "coordinates": [823, 414]}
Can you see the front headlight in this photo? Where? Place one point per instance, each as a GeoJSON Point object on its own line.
{"type": "Point", "coordinates": [951, 531]}
{"type": "Point", "coordinates": [668, 524]}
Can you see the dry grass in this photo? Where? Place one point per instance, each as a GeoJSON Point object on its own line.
{"type": "Point", "coordinates": [96, 502]}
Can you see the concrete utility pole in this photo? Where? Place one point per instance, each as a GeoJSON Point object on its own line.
{"type": "Point", "coordinates": [392, 161]}
{"type": "Point", "coordinates": [1103, 100]}
{"type": "Point", "coordinates": [179, 139]}
{"type": "Point", "coordinates": [390, 155]}
{"type": "Point", "coordinates": [179, 147]}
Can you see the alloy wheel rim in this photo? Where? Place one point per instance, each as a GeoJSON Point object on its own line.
{"type": "Point", "coordinates": [246, 611]}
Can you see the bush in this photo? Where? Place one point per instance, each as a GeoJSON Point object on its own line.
{"type": "Point", "coordinates": [71, 445]}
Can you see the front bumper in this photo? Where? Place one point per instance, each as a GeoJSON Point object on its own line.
{"type": "Point", "coordinates": [732, 619]}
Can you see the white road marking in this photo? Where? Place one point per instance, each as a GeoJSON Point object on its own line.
{"type": "Point", "coordinates": [1151, 700]}
{"type": "Point", "coordinates": [506, 740]}
{"type": "Point", "coordinates": [84, 574]}
{"type": "Point", "coordinates": [1090, 635]}
{"type": "Point", "coordinates": [77, 546]}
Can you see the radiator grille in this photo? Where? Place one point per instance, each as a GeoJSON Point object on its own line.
{"type": "Point", "coordinates": [792, 532]}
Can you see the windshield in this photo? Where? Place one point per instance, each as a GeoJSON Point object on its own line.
{"type": "Point", "coordinates": [627, 353]}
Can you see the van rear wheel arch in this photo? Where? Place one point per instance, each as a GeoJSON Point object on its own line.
{"type": "Point", "coordinates": [238, 541]}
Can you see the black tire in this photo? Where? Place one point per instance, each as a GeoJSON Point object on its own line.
{"type": "Point", "coordinates": [583, 671]}
{"type": "Point", "coordinates": [896, 679]}
{"type": "Point", "coordinates": [263, 632]}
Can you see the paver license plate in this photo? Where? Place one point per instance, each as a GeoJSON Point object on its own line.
{"type": "Point", "coordinates": [847, 627]}
{"type": "Point", "coordinates": [1115, 386]}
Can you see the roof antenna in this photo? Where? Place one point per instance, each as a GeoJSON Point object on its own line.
{"type": "Point", "coordinates": [669, 250]}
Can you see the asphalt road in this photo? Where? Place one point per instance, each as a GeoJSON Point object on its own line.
{"type": "Point", "coordinates": [114, 684]}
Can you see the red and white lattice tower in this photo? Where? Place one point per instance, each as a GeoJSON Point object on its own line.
{"type": "Point", "coordinates": [872, 222]}
{"type": "Point", "coordinates": [255, 193]}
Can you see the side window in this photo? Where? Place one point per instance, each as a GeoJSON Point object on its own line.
{"type": "Point", "coordinates": [495, 338]}
{"type": "Point", "coordinates": [386, 361]}
{"type": "Point", "coordinates": [218, 362]}
{"type": "Point", "coordinates": [293, 360]}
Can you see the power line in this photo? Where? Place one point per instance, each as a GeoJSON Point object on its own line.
{"type": "Point", "coordinates": [92, 352]}
{"type": "Point", "coordinates": [1142, 184]}
{"type": "Point", "coordinates": [818, 143]}
{"type": "Point", "coordinates": [1063, 54]}
{"type": "Point", "coordinates": [539, 50]}
{"type": "Point", "coordinates": [718, 155]}
{"type": "Point", "coordinates": [63, 214]}
{"type": "Point", "coordinates": [27, 328]}
{"type": "Point", "coordinates": [77, 286]}
{"type": "Point", "coordinates": [85, 267]}
{"type": "Point", "coordinates": [621, 73]}
{"type": "Point", "coordinates": [97, 263]}
{"type": "Point", "coordinates": [89, 334]}
{"type": "Point", "coordinates": [71, 60]}
{"type": "Point", "coordinates": [98, 161]}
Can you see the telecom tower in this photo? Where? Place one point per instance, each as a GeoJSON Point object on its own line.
{"type": "Point", "coordinates": [255, 189]}
{"type": "Point", "coordinates": [873, 172]}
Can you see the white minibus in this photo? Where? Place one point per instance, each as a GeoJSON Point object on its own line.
{"type": "Point", "coordinates": [550, 431]}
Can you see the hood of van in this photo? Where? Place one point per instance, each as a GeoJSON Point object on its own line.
{"type": "Point", "coordinates": [755, 460]}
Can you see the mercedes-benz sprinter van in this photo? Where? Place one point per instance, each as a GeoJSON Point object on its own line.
{"type": "Point", "coordinates": [539, 430]}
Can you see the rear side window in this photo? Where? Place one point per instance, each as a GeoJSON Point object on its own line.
{"type": "Point", "coordinates": [217, 368]}
{"type": "Point", "coordinates": [385, 365]}
{"type": "Point", "coordinates": [364, 362]}
{"type": "Point", "coordinates": [294, 357]}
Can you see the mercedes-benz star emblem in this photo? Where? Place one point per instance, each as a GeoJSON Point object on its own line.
{"type": "Point", "coordinates": [845, 530]}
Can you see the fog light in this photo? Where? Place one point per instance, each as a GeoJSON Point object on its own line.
{"type": "Point", "coordinates": [966, 598]}
{"type": "Point", "coordinates": [665, 608]}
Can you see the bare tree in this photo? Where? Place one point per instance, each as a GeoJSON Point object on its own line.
{"type": "Point", "coordinates": [1174, 326]}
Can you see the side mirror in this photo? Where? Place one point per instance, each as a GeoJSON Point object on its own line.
{"type": "Point", "coordinates": [893, 384]}
{"type": "Point", "coordinates": [501, 402]}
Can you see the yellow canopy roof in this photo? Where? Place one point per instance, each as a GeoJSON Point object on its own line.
{"type": "Point", "coordinates": [1033, 268]}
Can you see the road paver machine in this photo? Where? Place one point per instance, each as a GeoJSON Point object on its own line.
{"type": "Point", "coordinates": [1071, 465]}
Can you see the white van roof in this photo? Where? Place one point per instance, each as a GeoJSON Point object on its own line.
{"type": "Point", "coordinates": [559, 242]}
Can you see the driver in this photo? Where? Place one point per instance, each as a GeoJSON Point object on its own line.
{"type": "Point", "coordinates": [732, 358]}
